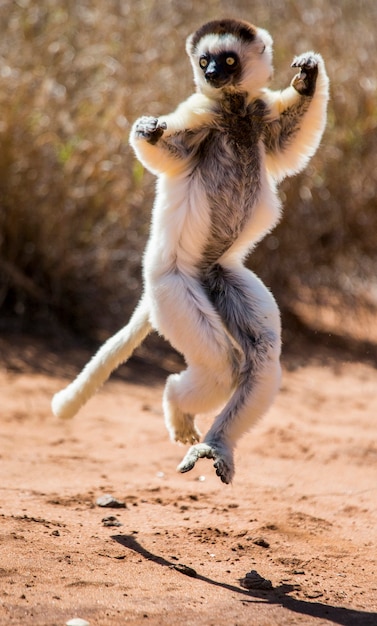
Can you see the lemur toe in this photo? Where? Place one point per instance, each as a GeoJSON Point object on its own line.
{"type": "Point", "coordinates": [196, 452]}
{"type": "Point", "coordinates": [224, 471]}
{"type": "Point", "coordinates": [223, 464]}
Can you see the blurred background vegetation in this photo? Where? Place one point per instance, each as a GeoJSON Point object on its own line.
{"type": "Point", "coordinates": [75, 205]}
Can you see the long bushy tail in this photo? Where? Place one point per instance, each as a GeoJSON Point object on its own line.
{"type": "Point", "coordinates": [115, 351]}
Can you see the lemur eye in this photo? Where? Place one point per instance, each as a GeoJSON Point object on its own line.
{"type": "Point", "coordinates": [230, 60]}
{"type": "Point", "coordinates": [203, 62]}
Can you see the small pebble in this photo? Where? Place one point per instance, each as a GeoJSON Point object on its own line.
{"type": "Point", "coordinates": [259, 541]}
{"type": "Point", "coordinates": [77, 621]}
{"type": "Point", "coordinates": [184, 569]}
{"type": "Point", "coordinates": [253, 580]}
{"type": "Point", "coordinates": [111, 521]}
{"type": "Point", "coordinates": [107, 500]}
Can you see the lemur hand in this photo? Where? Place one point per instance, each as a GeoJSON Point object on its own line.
{"type": "Point", "coordinates": [305, 81]}
{"type": "Point", "coordinates": [149, 128]}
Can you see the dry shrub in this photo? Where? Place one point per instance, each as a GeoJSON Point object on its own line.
{"type": "Point", "coordinates": [75, 205]}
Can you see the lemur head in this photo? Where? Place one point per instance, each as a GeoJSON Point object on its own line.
{"type": "Point", "coordinates": [230, 54]}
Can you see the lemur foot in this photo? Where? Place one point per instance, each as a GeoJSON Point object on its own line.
{"type": "Point", "coordinates": [305, 81]}
{"type": "Point", "coordinates": [185, 430]}
{"type": "Point", "coordinates": [150, 129]}
{"type": "Point", "coordinates": [223, 464]}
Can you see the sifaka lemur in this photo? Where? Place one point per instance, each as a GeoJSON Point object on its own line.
{"type": "Point", "coordinates": [218, 158]}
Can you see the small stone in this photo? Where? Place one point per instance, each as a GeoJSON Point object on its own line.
{"type": "Point", "coordinates": [111, 521]}
{"type": "Point", "coordinates": [253, 580]}
{"type": "Point", "coordinates": [55, 533]}
{"type": "Point", "coordinates": [260, 541]}
{"type": "Point", "coordinates": [184, 569]}
{"type": "Point", "coordinates": [77, 621]}
{"type": "Point", "coordinates": [108, 501]}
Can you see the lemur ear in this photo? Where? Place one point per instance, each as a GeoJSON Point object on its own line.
{"type": "Point", "coordinates": [265, 40]}
{"type": "Point", "coordinates": [189, 47]}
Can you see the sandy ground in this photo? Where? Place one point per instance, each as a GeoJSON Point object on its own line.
{"type": "Point", "coordinates": [301, 512]}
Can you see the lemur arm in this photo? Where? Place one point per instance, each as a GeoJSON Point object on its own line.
{"type": "Point", "coordinates": [298, 117]}
{"type": "Point", "coordinates": [160, 144]}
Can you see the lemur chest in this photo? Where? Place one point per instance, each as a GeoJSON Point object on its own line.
{"type": "Point", "coordinates": [228, 159]}
{"type": "Point", "coordinates": [229, 170]}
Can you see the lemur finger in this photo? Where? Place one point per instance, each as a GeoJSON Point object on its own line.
{"type": "Point", "coordinates": [149, 124]}
{"type": "Point", "coordinates": [150, 129]}
{"type": "Point", "coordinates": [304, 82]}
{"type": "Point", "coordinates": [305, 61]}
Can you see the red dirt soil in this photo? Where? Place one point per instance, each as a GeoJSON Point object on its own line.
{"type": "Point", "coordinates": [301, 511]}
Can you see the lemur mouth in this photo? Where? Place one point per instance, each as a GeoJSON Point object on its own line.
{"type": "Point", "coordinates": [217, 83]}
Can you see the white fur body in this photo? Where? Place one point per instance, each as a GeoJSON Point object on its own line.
{"type": "Point", "coordinates": [177, 300]}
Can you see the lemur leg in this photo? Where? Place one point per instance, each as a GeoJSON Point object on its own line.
{"type": "Point", "coordinates": [221, 439]}
{"type": "Point", "coordinates": [197, 389]}
{"type": "Point", "coordinates": [183, 313]}
{"type": "Point", "coordinates": [252, 317]}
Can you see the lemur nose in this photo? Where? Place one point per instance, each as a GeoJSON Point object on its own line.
{"type": "Point", "coordinates": [212, 71]}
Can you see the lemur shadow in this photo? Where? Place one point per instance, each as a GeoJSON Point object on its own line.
{"type": "Point", "coordinates": [277, 595]}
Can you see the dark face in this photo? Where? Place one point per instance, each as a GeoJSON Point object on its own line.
{"type": "Point", "coordinates": [220, 69]}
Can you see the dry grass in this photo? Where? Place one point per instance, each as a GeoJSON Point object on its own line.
{"type": "Point", "coordinates": [74, 204]}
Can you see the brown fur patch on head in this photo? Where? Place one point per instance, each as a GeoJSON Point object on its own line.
{"type": "Point", "coordinates": [243, 30]}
